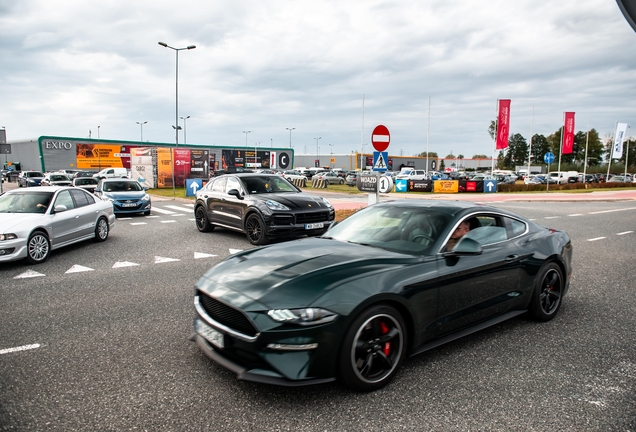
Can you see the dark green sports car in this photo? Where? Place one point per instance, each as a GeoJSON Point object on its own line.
{"type": "Point", "coordinates": [395, 279]}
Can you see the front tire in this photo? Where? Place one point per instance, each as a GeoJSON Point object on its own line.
{"type": "Point", "coordinates": [38, 247]}
{"type": "Point", "coordinates": [101, 230]}
{"type": "Point", "coordinates": [201, 218]}
{"type": "Point", "coordinates": [548, 292]}
{"type": "Point", "coordinates": [373, 349]}
{"type": "Point", "coordinates": [255, 230]}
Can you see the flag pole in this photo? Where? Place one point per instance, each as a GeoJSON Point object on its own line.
{"type": "Point", "coordinates": [626, 151]}
{"type": "Point", "coordinates": [611, 153]}
{"type": "Point", "coordinates": [587, 140]}
{"type": "Point", "coordinates": [428, 132]}
{"type": "Point", "coordinates": [530, 148]}
{"type": "Point", "coordinates": [494, 141]}
{"type": "Point", "coordinates": [560, 150]}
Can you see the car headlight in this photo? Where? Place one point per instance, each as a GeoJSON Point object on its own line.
{"type": "Point", "coordinates": [326, 202]}
{"type": "Point", "coordinates": [146, 198]}
{"type": "Point", "coordinates": [275, 205]}
{"type": "Point", "coordinates": [303, 316]}
{"type": "Point", "coordinates": [8, 237]}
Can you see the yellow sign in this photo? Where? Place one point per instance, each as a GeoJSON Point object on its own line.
{"type": "Point", "coordinates": [446, 186]}
{"type": "Point", "coordinates": [333, 160]}
{"type": "Point", "coordinates": [93, 156]}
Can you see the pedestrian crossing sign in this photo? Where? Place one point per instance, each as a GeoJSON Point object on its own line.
{"type": "Point", "coordinates": [380, 161]}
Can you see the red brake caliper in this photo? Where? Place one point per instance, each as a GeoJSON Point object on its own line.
{"type": "Point", "coordinates": [387, 345]}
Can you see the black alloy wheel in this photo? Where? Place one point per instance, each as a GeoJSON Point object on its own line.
{"type": "Point", "coordinates": [101, 230]}
{"type": "Point", "coordinates": [373, 349]}
{"type": "Point", "coordinates": [546, 300]}
{"type": "Point", "coordinates": [38, 247]}
{"type": "Point", "coordinates": [255, 230]}
{"type": "Point", "coordinates": [201, 217]}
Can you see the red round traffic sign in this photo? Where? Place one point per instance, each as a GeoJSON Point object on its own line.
{"type": "Point", "coordinates": [380, 138]}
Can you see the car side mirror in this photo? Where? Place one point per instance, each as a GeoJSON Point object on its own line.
{"type": "Point", "coordinates": [97, 190]}
{"type": "Point", "coordinates": [465, 246]}
{"type": "Point", "coordinates": [60, 208]}
{"type": "Point", "coordinates": [235, 192]}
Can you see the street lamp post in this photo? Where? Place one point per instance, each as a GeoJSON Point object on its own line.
{"type": "Point", "coordinates": [176, 114]}
{"type": "Point", "coordinates": [317, 150]}
{"type": "Point", "coordinates": [246, 132]}
{"type": "Point", "coordinates": [330, 152]}
{"type": "Point", "coordinates": [184, 128]}
{"type": "Point", "coordinates": [141, 126]}
{"type": "Point", "coordinates": [290, 129]}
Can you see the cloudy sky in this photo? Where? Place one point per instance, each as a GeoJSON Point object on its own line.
{"type": "Point", "coordinates": [67, 67]}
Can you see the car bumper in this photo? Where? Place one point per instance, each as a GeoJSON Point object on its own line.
{"type": "Point", "coordinates": [12, 250]}
{"type": "Point", "coordinates": [139, 207]}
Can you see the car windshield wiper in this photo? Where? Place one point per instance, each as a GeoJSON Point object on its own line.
{"type": "Point", "coordinates": [364, 244]}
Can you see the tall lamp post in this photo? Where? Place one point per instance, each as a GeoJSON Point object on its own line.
{"type": "Point", "coordinates": [184, 128]}
{"type": "Point", "coordinates": [141, 126]}
{"type": "Point", "coordinates": [318, 150]}
{"type": "Point", "coordinates": [290, 129]}
{"type": "Point", "coordinates": [176, 114]}
{"type": "Point", "coordinates": [330, 152]}
{"type": "Point", "coordinates": [246, 132]}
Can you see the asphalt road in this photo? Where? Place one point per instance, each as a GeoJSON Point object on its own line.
{"type": "Point", "coordinates": [105, 346]}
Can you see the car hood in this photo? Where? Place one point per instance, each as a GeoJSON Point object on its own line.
{"type": "Point", "coordinates": [125, 195]}
{"type": "Point", "coordinates": [296, 273]}
{"type": "Point", "coordinates": [294, 201]}
{"type": "Point", "coordinates": [60, 183]}
{"type": "Point", "coordinates": [9, 222]}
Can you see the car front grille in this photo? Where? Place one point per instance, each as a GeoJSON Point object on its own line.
{"type": "Point", "coordinates": [303, 218]}
{"type": "Point", "coordinates": [227, 315]}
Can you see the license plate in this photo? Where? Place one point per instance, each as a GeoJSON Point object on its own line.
{"type": "Point", "coordinates": [314, 226]}
{"type": "Point", "coordinates": [211, 335]}
{"type": "Point", "coordinates": [129, 205]}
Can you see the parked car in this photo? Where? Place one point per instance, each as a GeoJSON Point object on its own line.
{"type": "Point", "coordinates": [87, 183]}
{"type": "Point", "coordinates": [127, 195]}
{"type": "Point", "coordinates": [620, 179]}
{"type": "Point", "coordinates": [411, 174]}
{"type": "Point", "coordinates": [55, 179]}
{"type": "Point", "coordinates": [589, 178]}
{"type": "Point", "coordinates": [35, 222]}
{"type": "Point", "coordinates": [293, 175]}
{"type": "Point", "coordinates": [377, 287]}
{"type": "Point", "coordinates": [263, 206]}
{"type": "Point", "coordinates": [84, 173]}
{"type": "Point", "coordinates": [329, 176]}
{"type": "Point", "coordinates": [352, 178]}
{"type": "Point", "coordinates": [30, 178]}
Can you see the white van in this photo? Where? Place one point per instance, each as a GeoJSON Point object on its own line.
{"type": "Point", "coordinates": [563, 177]}
{"type": "Point", "coordinates": [111, 173]}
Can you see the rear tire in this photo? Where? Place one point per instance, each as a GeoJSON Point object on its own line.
{"type": "Point", "coordinates": [38, 247]}
{"type": "Point", "coordinates": [101, 230]}
{"type": "Point", "coordinates": [373, 349]}
{"type": "Point", "coordinates": [548, 292]}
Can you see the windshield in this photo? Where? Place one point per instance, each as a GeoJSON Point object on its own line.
{"type": "Point", "coordinates": [266, 184]}
{"type": "Point", "coordinates": [122, 186]}
{"type": "Point", "coordinates": [25, 202]}
{"type": "Point", "coordinates": [58, 177]}
{"type": "Point", "coordinates": [85, 181]}
{"type": "Point", "coordinates": [411, 230]}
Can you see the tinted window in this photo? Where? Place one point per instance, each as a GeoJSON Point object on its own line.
{"type": "Point", "coordinates": [81, 199]}
{"type": "Point", "coordinates": [518, 227]}
{"type": "Point", "coordinates": [219, 184]}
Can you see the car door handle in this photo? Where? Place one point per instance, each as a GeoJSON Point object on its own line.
{"type": "Point", "coordinates": [512, 257]}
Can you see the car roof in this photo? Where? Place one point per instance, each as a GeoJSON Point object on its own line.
{"type": "Point", "coordinates": [449, 207]}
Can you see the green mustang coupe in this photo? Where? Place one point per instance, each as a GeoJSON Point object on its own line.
{"type": "Point", "coordinates": [395, 279]}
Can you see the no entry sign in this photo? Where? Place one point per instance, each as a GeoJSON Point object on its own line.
{"type": "Point", "coordinates": [380, 138]}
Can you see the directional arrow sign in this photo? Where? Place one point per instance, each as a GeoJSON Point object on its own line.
{"type": "Point", "coordinates": [490, 186]}
{"type": "Point", "coordinates": [192, 186]}
{"type": "Point", "coordinates": [400, 185]}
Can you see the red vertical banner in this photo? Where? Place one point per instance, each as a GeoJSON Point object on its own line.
{"type": "Point", "coordinates": [503, 124]}
{"type": "Point", "coordinates": [568, 134]}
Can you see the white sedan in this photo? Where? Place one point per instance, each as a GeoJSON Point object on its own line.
{"type": "Point", "coordinates": [35, 221]}
{"type": "Point", "coordinates": [330, 176]}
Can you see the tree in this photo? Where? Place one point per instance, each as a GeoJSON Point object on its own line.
{"type": "Point", "coordinates": [517, 153]}
{"type": "Point", "coordinates": [492, 129]}
{"type": "Point", "coordinates": [442, 166]}
{"type": "Point", "coordinates": [540, 146]}
{"type": "Point", "coordinates": [430, 155]}
{"type": "Point", "coordinates": [480, 156]}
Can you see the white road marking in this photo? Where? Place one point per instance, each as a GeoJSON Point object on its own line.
{"type": "Point", "coordinates": [577, 214]}
{"type": "Point", "coordinates": [233, 251]}
{"type": "Point", "coordinates": [151, 216]}
{"type": "Point", "coordinates": [611, 211]}
{"type": "Point", "coordinates": [553, 217]}
{"type": "Point", "coordinates": [28, 274]}
{"type": "Point", "coordinates": [20, 348]}
{"type": "Point", "coordinates": [183, 209]}
{"type": "Point", "coordinates": [192, 219]}
{"type": "Point", "coordinates": [159, 260]}
{"type": "Point", "coordinates": [198, 255]}
{"type": "Point", "coordinates": [78, 269]}
{"type": "Point", "coordinates": [179, 214]}
{"type": "Point", "coordinates": [169, 221]}
{"type": "Point", "coordinates": [139, 223]}
{"type": "Point", "coordinates": [597, 238]}
{"type": "Point", "coordinates": [124, 218]}
{"type": "Point", "coordinates": [119, 264]}
{"type": "Point", "coordinates": [162, 211]}
{"type": "Point", "coordinates": [626, 232]}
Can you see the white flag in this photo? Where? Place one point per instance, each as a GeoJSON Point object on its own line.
{"type": "Point", "coordinates": [619, 137]}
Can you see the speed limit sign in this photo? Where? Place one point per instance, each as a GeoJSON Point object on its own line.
{"type": "Point", "coordinates": [386, 184]}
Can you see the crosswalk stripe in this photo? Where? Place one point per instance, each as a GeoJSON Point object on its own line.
{"type": "Point", "coordinates": [162, 211]}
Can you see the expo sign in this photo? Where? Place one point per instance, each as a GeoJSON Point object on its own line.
{"type": "Point", "coordinates": [58, 145]}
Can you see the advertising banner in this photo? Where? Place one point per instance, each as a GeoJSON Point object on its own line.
{"type": "Point", "coordinates": [503, 124]}
{"type": "Point", "coordinates": [181, 166]}
{"type": "Point", "coordinates": [619, 137]}
{"type": "Point", "coordinates": [199, 163]}
{"type": "Point", "coordinates": [98, 156]}
{"type": "Point", "coordinates": [568, 133]}
{"type": "Point", "coordinates": [446, 186]}
{"type": "Point", "coordinates": [235, 158]}
{"type": "Point", "coordinates": [420, 185]}
{"type": "Point", "coordinates": [141, 166]}
{"type": "Point", "coordinates": [164, 167]}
